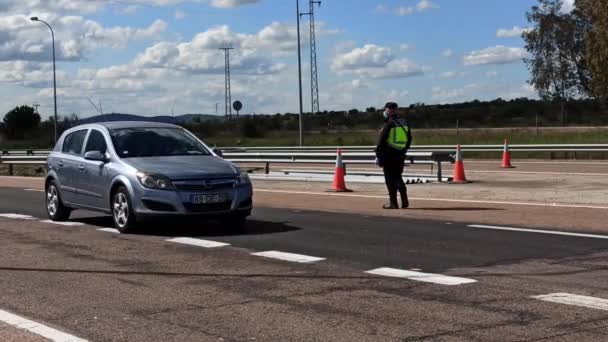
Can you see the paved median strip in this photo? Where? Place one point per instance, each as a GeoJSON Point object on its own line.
{"type": "Point", "coordinates": [303, 259]}
{"type": "Point", "coordinates": [539, 231]}
{"type": "Point", "coordinates": [37, 328]}
{"type": "Point", "coordinates": [17, 217]}
{"type": "Point", "coordinates": [419, 276]}
{"type": "Point", "coordinates": [67, 224]}
{"type": "Point", "coordinates": [199, 242]}
{"type": "Point", "coordinates": [576, 300]}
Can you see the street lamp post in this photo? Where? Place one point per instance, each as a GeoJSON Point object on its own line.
{"type": "Point", "coordinates": [54, 73]}
{"type": "Point", "coordinates": [300, 74]}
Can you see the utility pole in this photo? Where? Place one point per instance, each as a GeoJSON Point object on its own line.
{"type": "Point", "coordinates": [36, 108]}
{"type": "Point", "coordinates": [314, 75]}
{"type": "Point", "coordinates": [301, 136]}
{"type": "Point", "coordinates": [227, 90]}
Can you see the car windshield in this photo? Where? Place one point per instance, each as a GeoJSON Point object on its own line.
{"type": "Point", "coordinates": [155, 142]}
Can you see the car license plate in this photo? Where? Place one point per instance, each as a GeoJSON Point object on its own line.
{"type": "Point", "coordinates": [209, 199]}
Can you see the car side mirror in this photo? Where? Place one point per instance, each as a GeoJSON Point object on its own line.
{"type": "Point", "coordinates": [95, 156]}
{"type": "Point", "coordinates": [218, 152]}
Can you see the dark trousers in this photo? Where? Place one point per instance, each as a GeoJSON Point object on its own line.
{"type": "Point", "coordinates": [393, 176]}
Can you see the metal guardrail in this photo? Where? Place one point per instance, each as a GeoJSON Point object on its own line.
{"type": "Point", "coordinates": [435, 148]}
{"type": "Point", "coordinates": [25, 157]}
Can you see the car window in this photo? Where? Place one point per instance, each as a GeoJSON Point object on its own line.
{"type": "Point", "coordinates": [155, 142]}
{"type": "Point", "coordinates": [96, 142]}
{"type": "Point", "coordinates": [73, 142]}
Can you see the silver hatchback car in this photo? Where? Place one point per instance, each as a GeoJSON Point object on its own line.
{"type": "Point", "coordinates": [138, 170]}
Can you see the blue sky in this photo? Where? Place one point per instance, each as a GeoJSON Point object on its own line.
{"type": "Point", "coordinates": [154, 57]}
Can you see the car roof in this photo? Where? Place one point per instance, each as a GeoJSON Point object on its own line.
{"type": "Point", "coordinates": [135, 124]}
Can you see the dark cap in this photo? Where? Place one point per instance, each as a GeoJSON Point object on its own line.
{"type": "Point", "coordinates": [391, 105]}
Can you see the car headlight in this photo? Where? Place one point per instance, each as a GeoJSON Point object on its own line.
{"type": "Point", "coordinates": [243, 178]}
{"type": "Point", "coordinates": [157, 182]}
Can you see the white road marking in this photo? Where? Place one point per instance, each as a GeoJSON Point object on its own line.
{"type": "Point", "coordinates": [37, 328]}
{"type": "Point", "coordinates": [448, 200]}
{"type": "Point", "coordinates": [109, 230]}
{"type": "Point", "coordinates": [572, 299]}
{"type": "Point", "coordinates": [67, 224]}
{"type": "Point", "coordinates": [525, 230]}
{"type": "Point", "coordinates": [419, 276]}
{"type": "Point", "coordinates": [199, 242]}
{"type": "Point", "coordinates": [33, 190]}
{"type": "Point", "coordinates": [17, 217]}
{"type": "Point", "coordinates": [288, 257]}
{"type": "Point", "coordinates": [541, 173]}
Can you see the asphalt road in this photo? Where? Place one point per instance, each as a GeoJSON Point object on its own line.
{"type": "Point", "coordinates": [109, 287]}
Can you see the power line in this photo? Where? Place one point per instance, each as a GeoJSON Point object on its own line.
{"type": "Point", "coordinates": [227, 90]}
{"type": "Point", "coordinates": [314, 74]}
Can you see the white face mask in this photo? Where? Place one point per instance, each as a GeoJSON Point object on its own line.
{"type": "Point", "coordinates": [385, 114]}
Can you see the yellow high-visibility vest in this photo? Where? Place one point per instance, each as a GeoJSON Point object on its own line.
{"type": "Point", "coordinates": [397, 137]}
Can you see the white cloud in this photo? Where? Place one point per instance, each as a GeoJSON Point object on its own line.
{"type": "Point", "coordinates": [496, 55]}
{"type": "Point", "coordinates": [425, 5]}
{"type": "Point", "coordinates": [375, 62]}
{"type": "Point", "coordinates": [368, 56]}
{"type": "Point", "coordinates": [492, 73]}
{"type": "Point", "coordinates": [568, 5]}
{"type": "Point", "coordinates": [77, 37]}
{"type": "Point", "coordinates": [403, 11]}
{"type": "Point", "coordinates": [452, 74]}
{"type": "Point", "coordinates": [406, 48]}
{"type": "Point", "coordinates": [382, 9]}
{"type": "Point", "coordinates": [232, 3]}
{"type": "Point", "coordinates": [130, 9]}
{"type": "Point", "coordinates": [516, 31]}
{"type": "Point", "coordinates": [454, 95]}
{"type": "Point", "coordinates": [422, 6]}
{"type": "Point", "coordinates": [179, 14]}
{"type": "Point", "coordinates": [447, 53]}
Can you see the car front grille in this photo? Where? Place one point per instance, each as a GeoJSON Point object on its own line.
{"type": "Point", "coordinates": [208, 208]}
{"type": "Point", "coordinates": [212, 185]}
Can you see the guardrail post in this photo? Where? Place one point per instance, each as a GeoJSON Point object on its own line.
{"type": "Point", "coordinates": [267, 168]}
{"type": "Point", "coordinates": [439, 172]}
{"type": "Point", "coordinates": [10, 170]}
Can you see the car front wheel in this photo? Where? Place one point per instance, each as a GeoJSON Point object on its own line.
{"type": "Point", "coordinates": [54, 206]}
{"type": "Point", "coordinates": [122, 212]}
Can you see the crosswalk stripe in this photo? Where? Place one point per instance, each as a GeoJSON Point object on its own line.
{"type": "Point", "coordinates": [37, 328]}
{"type": "Point", "coordinates": [576, 300]}
{"type": "Point", "coordinates": [419, 276]}
{"type": "Point", "coordinates": [199, 242]}
{"type": "Point", "coordinates": [288, 256]}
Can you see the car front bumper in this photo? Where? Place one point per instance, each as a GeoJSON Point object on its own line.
{"type": "Point", "coordinates": [149, 202]}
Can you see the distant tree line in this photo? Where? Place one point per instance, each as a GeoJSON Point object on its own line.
{"type": "Point", "coordinates": [23, 123]}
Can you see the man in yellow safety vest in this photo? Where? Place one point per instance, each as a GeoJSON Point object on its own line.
{"type": "Point", "coordinates": [395, 140]}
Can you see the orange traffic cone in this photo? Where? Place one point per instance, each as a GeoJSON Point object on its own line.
{"type": "Point", "coordinates": [339, 182]}
{"type": "Point", "coordinates": [459, 176]}
{"type": "Point", "coordinates": [506, 157]}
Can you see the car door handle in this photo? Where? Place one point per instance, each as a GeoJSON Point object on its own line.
{"type": "Point", "coordinates": [60, 164]}
{"type": "Point", "coordinates": [81, 167]}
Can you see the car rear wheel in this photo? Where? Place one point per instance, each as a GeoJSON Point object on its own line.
{"type": "Point", "coordinates": [122, 211]}
{"type": "Point", "coordinates": [54, 206]}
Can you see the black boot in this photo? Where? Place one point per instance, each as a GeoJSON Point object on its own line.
{"type": "Point", "coordinates": [405, 202]}
{"type": "Point", "coordinates": [393, 204]}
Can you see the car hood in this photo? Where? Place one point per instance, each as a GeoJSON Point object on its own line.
{"type": "Point", "coordinates": [184, 167]}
